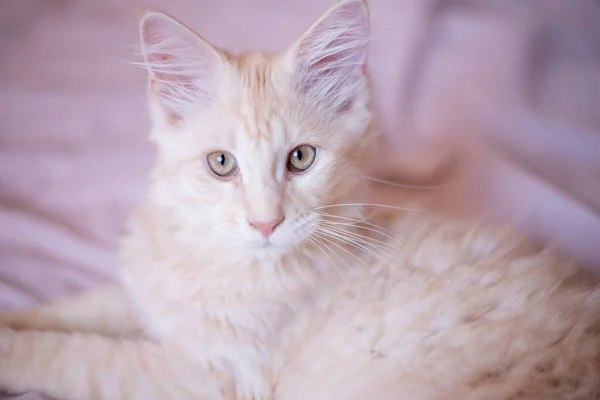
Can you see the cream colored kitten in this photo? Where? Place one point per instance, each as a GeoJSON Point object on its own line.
{"type": "Point", "coordinates": [252, 271]}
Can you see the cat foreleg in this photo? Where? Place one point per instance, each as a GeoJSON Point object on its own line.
{"type": "Point", "coordinates": [106, 311]}
{"type": "Point", "coordinates": [84, 366]}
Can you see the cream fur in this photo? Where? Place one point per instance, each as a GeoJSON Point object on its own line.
{"type": "Point", "coordinates": [332, 306]}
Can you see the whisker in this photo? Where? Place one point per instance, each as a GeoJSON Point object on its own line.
{"type": "Point", "coordinates": [385, 260]}
{"type": "Point", "coordinates": [358, 224]}
{"type": "Point", "coordinates": [315, 242]}
{"type": "Point", "coordinates": [358, 236]}
{"type": "Point", "coordinates": [343, 249]}
{"type": "Point", "coordinates": [350, 242]}
{"type": "Point", "coordinates": [298, 248]}
{"type": "Point", "coordinates": [339, 227]}
{"type": "Point", "coordinates": [142, 337]}
{"type": "Point", "coordinates": [128, 324]}
{"type": "Point", "coordinates": [362, 221]}
{"type": "Point", "coordinates": [401, 185]}
{"type": "Point", "coordinates": [334, 235]}
{"type": "Point", "coordinates": [376, 228]}
{"type": "Point", "coordinates": [377, 205]}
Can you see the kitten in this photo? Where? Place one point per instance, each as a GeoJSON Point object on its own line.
{"type": "Point", "coordinates": [254, 270]}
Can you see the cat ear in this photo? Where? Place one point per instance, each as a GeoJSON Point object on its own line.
{"type": "Point", "coordinates": [184, 69]}
{"type": "Point", "coordinates": [330, 58]}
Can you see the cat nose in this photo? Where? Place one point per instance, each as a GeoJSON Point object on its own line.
{"type": "Point", "coordinates": [266, 228]}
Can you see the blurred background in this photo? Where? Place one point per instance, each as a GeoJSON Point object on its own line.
{"type": "Point", "coordinates": [493, 104]}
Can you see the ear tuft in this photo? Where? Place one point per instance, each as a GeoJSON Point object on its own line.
{"type": "Point", "coordinates": [331, 57]}
{"type": "Point", "coordinates": [183, 67]}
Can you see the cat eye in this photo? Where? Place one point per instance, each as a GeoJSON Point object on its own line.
{"type": "Point", "coordinates": [222, 163]}
{"type": "Point", "coordinates": [301, 158]}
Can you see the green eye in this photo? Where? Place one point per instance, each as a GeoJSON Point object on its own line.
{"type": "Point", "coordinates": [301, 158]}
{"type": "Point", "coordinates": [222, 163]}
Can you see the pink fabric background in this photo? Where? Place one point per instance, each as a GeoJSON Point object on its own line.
{"type": "Point", "coordinates": [73, 153]}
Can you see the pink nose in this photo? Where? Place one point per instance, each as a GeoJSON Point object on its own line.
{"type": "Point", "coordinates": [266, 228]}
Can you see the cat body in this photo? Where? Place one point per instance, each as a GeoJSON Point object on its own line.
{"type": "Point", "coordinates": [254, 269]}
{"type": "Point", "coordinates": [462, 312]}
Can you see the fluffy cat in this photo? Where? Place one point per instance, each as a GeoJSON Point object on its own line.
{"type": "Point", "coordinates": [254, 269]}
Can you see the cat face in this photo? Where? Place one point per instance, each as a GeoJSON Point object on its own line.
{"type": "Point", "coordinates": [253, 149]}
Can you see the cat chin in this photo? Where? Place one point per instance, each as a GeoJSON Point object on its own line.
{"type": "Point", "coordinates": [268, 250]}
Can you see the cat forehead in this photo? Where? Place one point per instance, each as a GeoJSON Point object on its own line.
{"type": "Point", "coordinates": [260, 101]}
{"type": "Point", "coordinates": [260, 87]}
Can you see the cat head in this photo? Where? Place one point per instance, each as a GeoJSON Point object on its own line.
{"type": "Point", "coordinates": [254, 148]}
